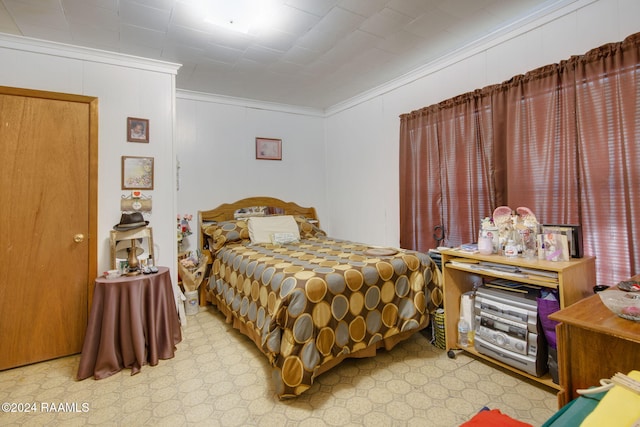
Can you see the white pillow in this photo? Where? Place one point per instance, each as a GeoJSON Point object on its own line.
{"type": "Point", "coordinates": [262, 229]}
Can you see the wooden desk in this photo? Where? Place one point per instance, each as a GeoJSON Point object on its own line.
{"type": "Point", "coordinates": [593, 343]}
{"type": "Point", "coordinates": [133, 321]}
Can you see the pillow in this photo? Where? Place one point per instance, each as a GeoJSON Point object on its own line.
{"type": "Point", "coordinates": [227, 231]}
{"type": "Point", "coordinates": [308, 227]}
{"type": "Point", "coordinates": [262, 229]}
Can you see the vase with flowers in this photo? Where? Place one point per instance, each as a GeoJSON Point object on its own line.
{"type": "Point", "coordinates": [184, 228]}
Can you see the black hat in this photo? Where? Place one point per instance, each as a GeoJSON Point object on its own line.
{"type": "Point", "coordinates": [130, 221]}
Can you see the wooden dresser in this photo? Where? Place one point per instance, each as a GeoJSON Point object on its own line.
{"type": "Point", "coordinates": [593, 343]}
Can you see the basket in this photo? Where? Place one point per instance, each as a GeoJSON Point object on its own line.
{"type": "Point", "coordinates": [437, 329]}
{"type": "Point", "coordinates": [192, 277]}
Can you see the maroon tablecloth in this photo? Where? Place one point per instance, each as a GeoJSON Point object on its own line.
{"type": "Point", "coordinates": [133, 322]}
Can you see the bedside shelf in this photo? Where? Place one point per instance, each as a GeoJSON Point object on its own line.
{"type": "Point", "coordinates": [574, 282]}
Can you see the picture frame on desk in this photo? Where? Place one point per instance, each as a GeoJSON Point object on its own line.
{"type": "Point", "coordinates": [573, 233]}
{"type": "Point", "coordinates": [554, 246]}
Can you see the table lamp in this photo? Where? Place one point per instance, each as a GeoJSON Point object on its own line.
{"type": "Point", "coordinates": [127, 249]}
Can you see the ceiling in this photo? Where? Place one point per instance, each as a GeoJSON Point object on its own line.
{"type": "Point", "coordinates": [314, 53]}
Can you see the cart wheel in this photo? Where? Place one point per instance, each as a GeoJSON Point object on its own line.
{"type": "Point", "coordinates": [451, 354]}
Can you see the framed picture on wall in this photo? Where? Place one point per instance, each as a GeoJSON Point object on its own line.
{"type": "Point", "coordinates": [268, 149]}
{"type": "Point", "coordinates": [137, 129]}
{"type": "Point", "coordinates": [137, 173]}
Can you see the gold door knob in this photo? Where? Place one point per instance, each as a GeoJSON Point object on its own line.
{"type": "Point", "coordinates": [78, 238]}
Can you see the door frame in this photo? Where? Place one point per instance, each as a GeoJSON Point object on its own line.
{"type": "Point", "coordinates": [92, 103]}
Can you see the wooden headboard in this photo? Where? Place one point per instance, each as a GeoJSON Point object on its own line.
{"type": "Point", "coordinates": [226, 211]}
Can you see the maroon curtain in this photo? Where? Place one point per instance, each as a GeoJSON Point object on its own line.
{"type": "Point", "coordinates": [435, 178]}
{"type": "Point", "coordinates": [420, 181]}
{"type": "Point", "coordinates": [561, 140]}
{"type": "Point", "coordinates": [541, 149]}
{"type": "Point", "coordinates": [466, 163]}
{"type": "Point", "coordinates": [608, 128]}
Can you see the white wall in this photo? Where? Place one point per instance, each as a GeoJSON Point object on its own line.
{"type": "Point", "coordinates": [344, 162]}
{"type": "Point", "coordinates": [216, 154]}
{"type": "Point", "coordinates": [363, 187]}
{"type": "Point", "coordinates": [125, 87]}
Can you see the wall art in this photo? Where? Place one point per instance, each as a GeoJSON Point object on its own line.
{"type": "Point", "coordinates": [137, 173]}
{"type": "Point", "coordinates": [137, 129]}
{"type": "Point", "coordinates": [268, 149]}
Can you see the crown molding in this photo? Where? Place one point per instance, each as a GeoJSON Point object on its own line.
{"type": "Point", "coordinates": [63, 50]}
{"type": "Point", "coordinates": [248, 103]}
{"type": "Point", "coordinates": [550, 11]}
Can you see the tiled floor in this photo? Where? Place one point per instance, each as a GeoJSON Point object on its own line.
{"type": "Point", "coordinates": [219, 378]}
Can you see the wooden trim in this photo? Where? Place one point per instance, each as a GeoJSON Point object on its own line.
{"type": "Point", "coordinates": [93, 198]}
{"type": "Point", "coordinates": [6, 90]}
{"type": "Point", "coordinates": [562, 334]}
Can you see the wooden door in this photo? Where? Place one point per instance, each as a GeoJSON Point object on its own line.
{"type": "Point", "coordinates": [48, 201]}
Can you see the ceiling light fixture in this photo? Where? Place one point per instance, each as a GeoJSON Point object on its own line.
{"type": "Point", "coordinates": [241, 16]}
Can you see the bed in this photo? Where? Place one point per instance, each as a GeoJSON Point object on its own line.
{"type": "Point", "coordinates": [307, 300]}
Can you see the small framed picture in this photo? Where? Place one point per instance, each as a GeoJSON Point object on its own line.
{"type": "Point", "coordinates": [268, 149]}
{"type": "Point", "coordinates": [137, 129]}
{"type": "Point", "coordinates": [137, 173]}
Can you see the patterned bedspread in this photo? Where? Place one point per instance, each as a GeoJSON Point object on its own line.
{"type": "Point", "coordinates": [308, 305]}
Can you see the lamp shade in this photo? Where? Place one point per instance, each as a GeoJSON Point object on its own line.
{"type": "Point", "coordinates": [123, 246]}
